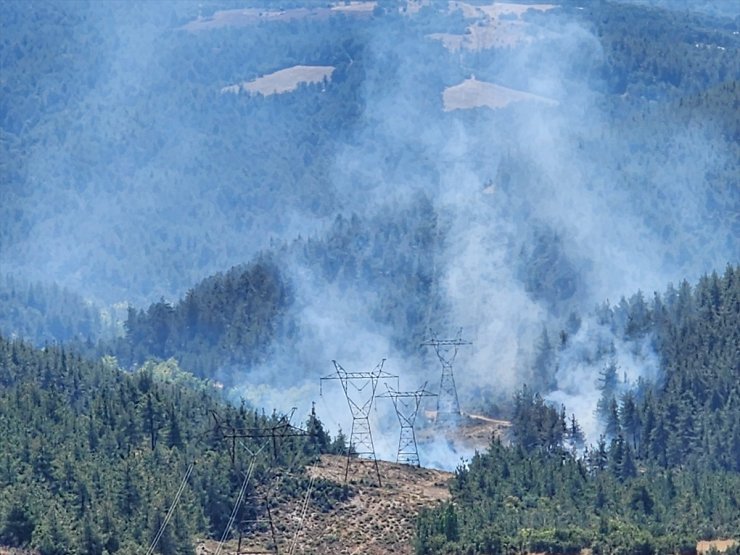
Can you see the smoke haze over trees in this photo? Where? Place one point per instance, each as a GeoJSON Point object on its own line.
{"type": "Point", "coordinates": [358, 212]}
{"type": "Point", "coordinates": [560, 180]}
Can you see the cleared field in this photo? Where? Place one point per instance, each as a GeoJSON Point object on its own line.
{"type": "Point", "coordinates": [501, 8]}
{"type": "Point", "coordinates": [472, 93]}
{"type": "Point", "coordinates": [282, 81]}
{"type": "Point", "coordinates": [481, 36]}
{"type": "Point", "coordinates": [720, 545]}
{"type": "Point", "coordinates": [497, 9]}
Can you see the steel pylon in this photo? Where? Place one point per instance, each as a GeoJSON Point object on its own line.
{"type": "Point", "coordinates": [407, 405]}
{"type": "Point", "coordinates": [359, 389]}
{"type": "Point", "coordinates": [448, 405]}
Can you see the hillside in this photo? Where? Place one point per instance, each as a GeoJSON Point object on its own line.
{"type": "Point", "coordinates": [663, 473]}
{"type": "Point", "coordinates": [92, 457]}
{"type": "Point", "coordinates": [374, 519]}
{"type": "Point", "coordinates": [209, 209]}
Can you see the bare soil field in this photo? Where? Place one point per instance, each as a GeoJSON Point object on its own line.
{"type": "Point", "coordinates": [493, 26]}
{"type": "Point", "coordinates": [472, 93]}
{"type": "Point", "coordinates": [282, 81]}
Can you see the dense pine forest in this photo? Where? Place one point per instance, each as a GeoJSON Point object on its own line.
{"type": "Point", "coordinates": [665, 473]}
{"type": "Point", "coordinates": [183, 254]}
{"type": "Point", "coordinates": [92, 457]}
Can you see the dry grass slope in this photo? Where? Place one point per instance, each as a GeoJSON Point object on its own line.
{"type": "Point", "coordinates": [472, 93]}
{"type": "Point", "coordinates": [374, 520]}
{"type": "Point", "coordinates": [282, 81]}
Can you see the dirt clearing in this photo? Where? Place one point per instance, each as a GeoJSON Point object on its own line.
{"type": "Point", "coordinates": [282, 81]}
{"type": "Point", "coordinates": [720, 545]}
{"type": "Point", "coordinates": [472, 93]}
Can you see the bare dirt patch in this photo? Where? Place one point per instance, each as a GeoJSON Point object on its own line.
{"type": "Point", "coordinates": [720, 545]}
{"type": "Point", "coordinates": [282, 81]}
{"type": "Point", "coordinates": [374, 520]}
{"type": "Point", "coordinates": [473, 432]}
{"type": "Point", "coordinates": [472, 93]}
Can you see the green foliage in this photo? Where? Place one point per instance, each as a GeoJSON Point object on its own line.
{"type": "Point", "coordinates": [91, 457]}
{"type": "Point", "coordinates": [225, 321]}
{"type": "Point", "coordinates": [42, 313]}
{"type": "Point", "coordinates": [666, 478]}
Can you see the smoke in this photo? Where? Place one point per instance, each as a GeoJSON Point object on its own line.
{"type": "Point", "coordinates": [580, 368]}
{"type": "Point", "coordinates": [541, 208]}
{"type": "Point", "coordinates": [540, 212]}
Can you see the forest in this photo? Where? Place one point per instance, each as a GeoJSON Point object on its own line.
{"type": "Point", "coordinates": [664, 474]}
{"type": "Point", "coordinates": [92, 456]}
{"type": "Point", "coordinates": [169, 252]}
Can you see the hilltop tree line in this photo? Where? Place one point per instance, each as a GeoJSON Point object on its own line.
{"type": "Point", "coordinates": [232, 321]}
{"type": "Point", "coordinates": [91, 457]}
{"type": "Point", "coordinates": [665, 474]}
{"type": "Point", "coordinates": [225, 321]}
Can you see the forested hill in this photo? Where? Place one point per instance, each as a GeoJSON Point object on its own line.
{"type": "Point", "coordinates": [665, 474]}
{"type": "Point", "coordinates": [227, 320]}
{"type": "Point", "coordinates": [685, 343]}
{"type": "Point", "coordinates": [127, 175]}
{"type": "Point", "coordinates": [231, 322]}
{"type": "Point", "coordinates": [91, 457]}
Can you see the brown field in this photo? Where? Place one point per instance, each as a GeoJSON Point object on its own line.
{"type": "Point", "coordinates": [481, 36]}
{"type": "Point", "coordinates": [719, 545]}
{"type": "Point", "coordinates": [472, 93]}
{"type": "Point", "coordinates": [497, 9]}
{"type": "Point", "coordinates": [490, 30]}
{"type": "Point", "coordinates": [501, 8]}
{"type": "Point", "coordinates": [282, 81]}
{"type": "Point", "coordinates": [375, 520]}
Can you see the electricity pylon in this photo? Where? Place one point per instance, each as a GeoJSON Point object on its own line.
{"type": "Point", "coordinates": [258, 502]}
{"type": "Point", "coordinates": [407, 404]}
{"type": "Point", "coordinates": [359, 388]}
{"type": "Point", "coordinates": [448, 405]}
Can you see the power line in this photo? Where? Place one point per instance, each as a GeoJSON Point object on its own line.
{"type": "Point", "coordinates": [238, 502]}
{"type": "Point", "coordinates": [448, 405]}
{"type": "Point", "coordinates": [275, 434]}
{"type": "Point", "coordinates": [171, 510]}
{"type": "Point", "coordinates": [304, 509]}
{"type": "Point", "coordinates": [407, 404]}
{"type": "Point", "coordinates": [359, 389]}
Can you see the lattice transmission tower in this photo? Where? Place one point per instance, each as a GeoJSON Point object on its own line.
{"type": "Point", "coordinates": [407, 405]}
{"type": "Point", "coordinates": [259, 502]}
{"type": "Point", "coordinates": [359, 389]}
{"type": "Point", "coordinates": [448, 405]}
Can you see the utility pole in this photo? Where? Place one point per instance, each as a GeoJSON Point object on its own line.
{"type": "Point", "coordinates": [448, 405]}
{"type": "Point", "coordinates": [259, 502]}
{"type": "Point", "coordinates": [407, 404]}
{"type": "Point", "coordinates": [359, 389]}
